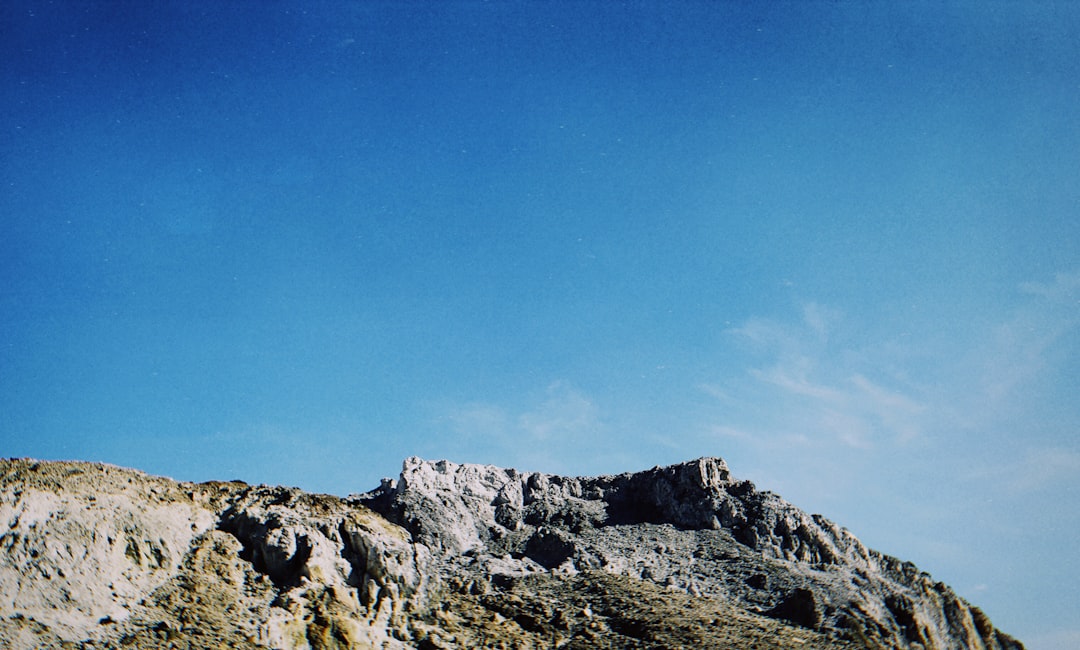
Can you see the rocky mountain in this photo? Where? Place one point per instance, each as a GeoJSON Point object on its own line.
{"type": "Point", "coordinates": [451, 556]}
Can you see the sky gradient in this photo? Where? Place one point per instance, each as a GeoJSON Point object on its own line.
{"type": "Point", "coordinates": [835, 244]}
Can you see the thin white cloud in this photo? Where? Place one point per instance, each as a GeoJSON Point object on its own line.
{"type": "Point", "coordinates": [543, 433]}
{"type": "Point", "coordinates": [791, 377]}
{"type": "Point", "coordinates": [1064, 289]}
{"type": "Point", "coordinates": [1043, 468]}
{"type": "Point", "coordinates": [820, 319]}
{"type": "Point", "coordinates": [1033, 343]}
{"type": "Point", "coordinates": [1064, 639]}
{"type": "Point", "coordinates": [479, 420]}
{"type": "Point", "coordinates": [1016, 356]}
{"type": "Point", "coordinates": [984, 401]}
{"type": "Point", "coordinates": [564, 413]}
{"type": "Point", "coordinates": [859, 392]}
{"type": "Point", "coordinates": [769, 334]}
{"type": "Point", "coordinates": [897, 412]}
{"type": "Point", "coordinates": [849, 428]}
{"type": "Point", "coordinates": [716, 391]}
{"type": "Point", "coordinates": [730, 432]}
{"type": "Point", "coordinates": [822, 389]}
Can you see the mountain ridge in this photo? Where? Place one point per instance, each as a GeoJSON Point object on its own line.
{"type": "Point", "coordinates": [451, 555]}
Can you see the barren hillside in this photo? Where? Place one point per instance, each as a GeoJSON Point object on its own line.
{"type": "Point", "coordinates": [450, 556]}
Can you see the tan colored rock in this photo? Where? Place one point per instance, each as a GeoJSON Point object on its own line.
{"type": "Point", "coordinates": [92, 553]}
{"type": "Point", "coordinates": [72, 558]}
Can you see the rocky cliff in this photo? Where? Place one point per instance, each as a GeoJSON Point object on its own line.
{"type": "Point", "coordinates": [450, 556]}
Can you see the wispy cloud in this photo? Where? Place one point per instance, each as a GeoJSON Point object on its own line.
{"type": "Point", "coordinates": [1065, 289]}
{"type": "Point", "coordinates": [971, 401]}
{"type": "Point", "coordinates": [859, 392]}
{"type": "Point", "coordinates": [565, 412]}
{"type": "Point", "coordinates": [1023, 345]}
{"type": "Point", "coordinates": [478, 420]}
{"type": "Point", "coordinates": [822, 388]}
{"type": "Point", "coordinates": [793, 379]}
{"type": "Point", "coordinates": [540, 433]}
{"type": "Point", "coordinates": [1063, 639]}
{"type": "Point", "coordinates": [1039, 468]}
{"type": "Point", "coordinates": [1003, 371]}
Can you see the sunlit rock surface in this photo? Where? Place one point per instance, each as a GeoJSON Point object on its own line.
{"type": "Point", "coordinates": [450, 556]}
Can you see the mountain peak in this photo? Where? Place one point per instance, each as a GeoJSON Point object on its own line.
{"type": "Point", "coordinates": [451, 555]}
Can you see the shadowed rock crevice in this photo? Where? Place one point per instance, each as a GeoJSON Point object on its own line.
{"type": "Point", "coordinates": [271, 549]}
{"type": "Point", "coordinates": [798, 607]}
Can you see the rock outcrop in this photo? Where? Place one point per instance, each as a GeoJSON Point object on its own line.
{"type": "Point", "coordinates": [98, 556]}
{"type": "Point", "coordinates": [450, 556]}
{"type": "Point", "coordinates": [691, 528]}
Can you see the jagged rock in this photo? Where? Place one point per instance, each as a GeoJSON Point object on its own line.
{"type": "Point", "coordinates": [689, 527]}
{"type": "Point", "coordinates": [450, 556]}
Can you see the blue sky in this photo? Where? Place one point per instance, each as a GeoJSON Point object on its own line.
{"type": "Point", "coordinates": [836, 244]}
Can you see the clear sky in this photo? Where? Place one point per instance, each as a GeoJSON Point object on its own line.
{"type": "Point", "coordinates": [834, 243]}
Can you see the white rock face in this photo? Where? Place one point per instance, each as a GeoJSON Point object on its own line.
{"type": "Point", "coordinates": [452, 507]}
{"type": "Point", "coordinates": [326, 555]}
{"type": "Point", "coordinates": [94, 552]}
{"type": "Point", "coordinates": [73, 559]}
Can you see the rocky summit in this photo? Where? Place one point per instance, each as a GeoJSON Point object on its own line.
{"type": "Point", "coordinates": [451, 556]}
